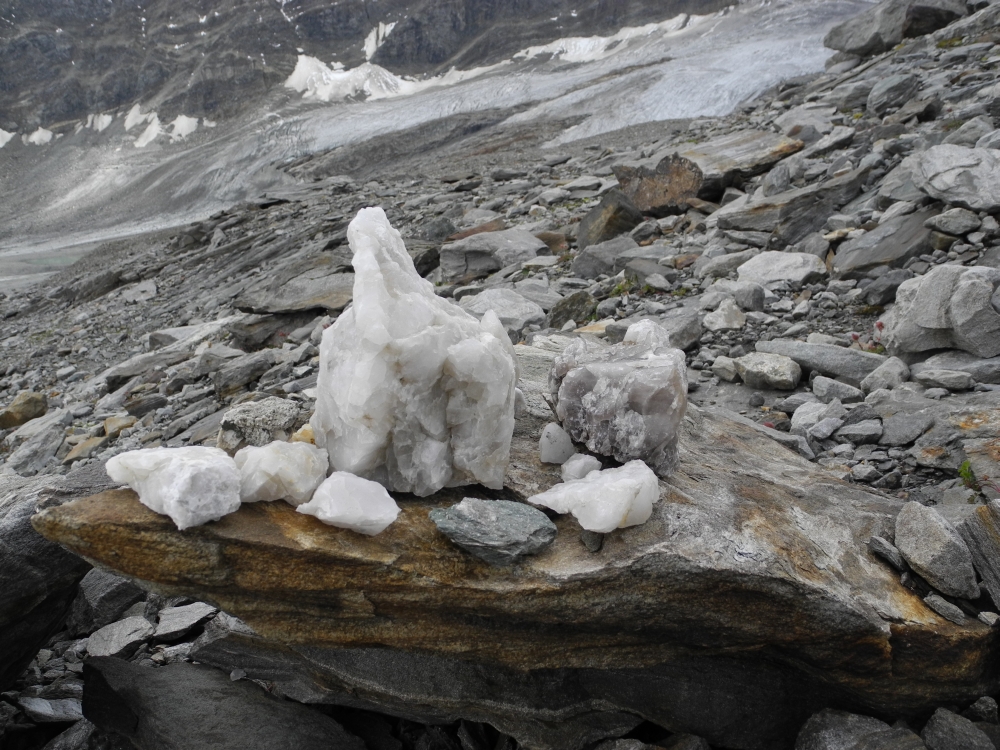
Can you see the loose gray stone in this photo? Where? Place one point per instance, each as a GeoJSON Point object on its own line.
{"type": "Point", "coordinates": [892, 373]}
{"type": "Point", "coordinates": [58, 711]}
{"type": "Point", "coordinates": [242, 371]}
{"type": "Point", "coordinates": [861, 433]}
{"type": "Point", "coordinates": [748, 295]}
{"type": "Point", "coordinates": [850, 365]}
{"type": "Point", "coordinates": [969, 134]}
{"type": "Point", "coordinates": [102, 598]}
{"type": "Point", "coordinates": [795, 268]}
{"type": "Point", "coordinates": [497, 531]}
{"type": "Point", "coordinates": [981, 532]}
{"type": "Point", "coordinates": [984, 709]}
{"type": "Point", "coordinates": [956, 221]}
{"type": "Point", "coordinates": [965, 177]}
{"type": "Point", "coordinates": [888, 552]}
{"type": "Point", "coordinates": [578, 307]}
{"type": "Point", "coordinates": [514, 311]}
{"type": "Point", "coordinates": [934, 549]}
{"type": "Point", "coordinates": [827, 389]}
{"type": "Point", "coordinates": [722, 265]}
{"type": "Point", "coordinates": [950, 307]}
{"type": "Point", "coordinates": [890, 92]}
{"type": "Point", "coordinates": [883, 26]}
{"type": "Point", "coordinates": [725, 369]}
{"type": "Point", "coordinates": [615, 215]}
{"type": "Point", "coordinates": [175, 622]}
{"type": "Point", "coordinates": [838, 730]}
{"type": "Point", "coordinates": [793, 402]}
{"type": "Point", "coordinates": [882, 291]}
{"type": "Point", "coordinates": [684, 326]}
{"type": "Point", "coordinates": [865, 473]}
{"type": "Point", "coordinates": [983, 370]}
{"type": "Point", "coordinates": [824, 428]}
{"type": "Point", "coordinates": [768, 371]}
{"type": "Point", "coordinates": [902, 428]}
{"type": "Point", "coordinates": [120, 638]}
{"type": "Point", "coordinates": [892, 243]}
{"type": "Point", "coordinates": [948, 731]}
{"type": "Point", "coordinates": [728, 317]}
{"type": "Point", "coordinates": [945, 608]}
{"type": "Point", "coordinates": [599, 258]}
{"type": "Point", "coordinates": [481, 254]}
{"type": "Point", "coordinates": [953, 380]}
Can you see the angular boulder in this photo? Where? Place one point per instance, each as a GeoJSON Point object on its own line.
{"type": "Point", "coordinates": [850, 365]}
{"type": "Point", "coordinates": [481, 254]}
{"type": "Point", "coordinates": [667, 189]}
{"type": "Point", "coordinates": [727, 160]}
{"type": "Point", "coordinates": [740, 648]}
{"type": "Point", "coordinates": [965, 177]}
{"type": "Point", "coordinates": [616, 214]}
{"type": "Point", "coordinates": [949, 307]}
{"type": "Point", "coordinates": [885, 25]}
{"type": "Point", "coordinates": [891, 244]}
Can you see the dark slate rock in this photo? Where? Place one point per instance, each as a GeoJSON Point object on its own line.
{"type": "Point", "coordinates": [615, 215]}
{"type": "Point", "coordinates": [888, 552]}
{"type": "Point", "coordinates": [934, 549]}
{"type": "Point", "coordinates": [882, 291]}
{"type": "Point", "coordinates": [945, 608]}
{"type": "Point", "coordinates": [902, 428]}
{"type": "Point", "coordinates": [103, 598]}
{"type": "Point", "coordinates": [948, 731]}
{"type": "Point", "coordinates": [38, 579]}
{"type": "Point", "coordinates": [242, 371]}
{"type": "Point", "coordinates": [165, 709]}
{"type": "Point", "coordinates": [578, 307]}
{"type": "Point", "coordinates": [984, 709]}
{"type": "Point", "coordinates": [497, 531]}
{"type": "Point", "coordinates": [860, 413]}
{"type": "Point", "coordinates": [890, 244]}
{"type": "Point", "coordinates": [77, 737]}
{"type": "Point", "coordinates": [176, 622]}
{"type": "Point", "coordinates": [599, 258]}
{"type": "Point", "coordinates": [122, 638]}
{"type": "Point", "coordinates": [981, 533]}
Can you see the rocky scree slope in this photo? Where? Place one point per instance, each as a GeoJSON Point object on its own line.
{"type": "Point", "coordinates": [827, 258]}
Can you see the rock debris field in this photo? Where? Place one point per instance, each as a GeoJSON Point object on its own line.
{"type": "Point", "coordinates": [686, 442]}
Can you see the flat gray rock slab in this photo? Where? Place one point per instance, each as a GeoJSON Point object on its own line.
{"type": "Point", "coordinates": [58, 711]}
{"type": "Point", "coordinates": [934, 549]}
{"type": "Point", "coordinates": [849, 365]}
{"type": "Point", "coordinates": [178, 621]}
{"type": "Point", "coordinates": [497, 531]}
{"type": "Point", "coordinates": [120, 638]}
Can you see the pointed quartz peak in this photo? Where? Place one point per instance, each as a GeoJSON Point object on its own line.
{"type": "Point", "coordinates": [414, 392]}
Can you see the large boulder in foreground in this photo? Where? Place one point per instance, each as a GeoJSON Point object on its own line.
{"type": "Point", "coordinates": [882, 27]}
{"type": "Point", "coordinates": [746, 603]}
{"type": "Point", "coordinates": [38, 579]}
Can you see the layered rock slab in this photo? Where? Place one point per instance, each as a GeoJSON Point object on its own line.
{"type": "Point", "coordinates": [746, 602]}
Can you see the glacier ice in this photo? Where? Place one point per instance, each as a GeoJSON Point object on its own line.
{"type": "Point", "coordinates": [606, 500]}
{"type": "Point", "coordinates": [281, 471]}
{"type": "Point", "coordinates": [192, 485]}
{"type": "Point", "coordinates": [554, 446]}
{"type": "Point", "coordinates": [413, 392]}
{"type": "Point", "coordinates": [350, 502]}
{"type": "Point", "coordinates": [626, 400]}
{"type": "Point", "coordinates": [578, 466]}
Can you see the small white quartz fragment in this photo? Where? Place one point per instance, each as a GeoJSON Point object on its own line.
{"type": "Point", "coordinates": [554, 446]}
{"type": "Point", "coordinates": [625, 400]}
{"type": "Point", "coordinates": [413, 392]}
{"type": "Point", "coordinates": [606, 500]}
{"type": "Point", "coordinates": [192, 485]}
{"type": "Point", "coordinates": [350, 502]}
{"type": "Point", "coordinates": [281, 471]}
{"type": "Point", "coordinates": [578, 466]}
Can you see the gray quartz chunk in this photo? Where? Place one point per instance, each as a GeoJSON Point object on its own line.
{"type": "Point", "coordinates": [497, 531]}
{"type": "Point", "coordinates": [935, 551]}
{"type": "Point", "coordinates": [626, 400]}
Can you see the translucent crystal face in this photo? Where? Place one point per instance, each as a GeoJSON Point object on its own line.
{"type": "Point", "coordinates": [281, 471]}
{"type": "Point", "coordinates": [350, 502]}
{"type": "Point", "coordinates": [414, 392]}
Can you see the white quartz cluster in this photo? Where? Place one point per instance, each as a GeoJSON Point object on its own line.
{"type": "Point", "coordinates": [191, 485]}
{"type": "Point", "coordinates": [350, 502]}
{"type": "Point", "coordinates": [281, 471]}
{"type": "Point", "coordinates": [413, 392]}
{"type": "Point", "coordinates": [625, 400]}
{"type": "Point", "coordinates": [606, 500]}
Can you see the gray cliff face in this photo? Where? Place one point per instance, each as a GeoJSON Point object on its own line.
{"type": "Point", "coordinates": [64, 59]}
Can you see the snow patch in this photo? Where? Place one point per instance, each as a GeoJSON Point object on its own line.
{"type": "Point", "coordinates": [376, 38]}
{"type": "Point", "coordinates": [151, 132]}
{"type": "Point", "coordinates": [39, 138]}
{"type": "Point", "coordinates": [101, 122]}
{"type": "Point", "coordinates": [5, 137]}
{"type": "Point", "coordinates": [315, 80]}
{"type": "Point", "coordinates": [579, 49]}
{"type": "Point", "coordinates": [182, 127]}
{"type": "Point", "coordinates": [136, 117]}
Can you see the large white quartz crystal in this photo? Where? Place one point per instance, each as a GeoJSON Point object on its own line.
{"type": "Point", "coordinates": [350, 502]}
{"type": "Point", "coordinates": [413, 391]}
{"type": "Point", "coordinates": [191, 485]}
{"type": "Point", "coordinates": [281, 471]}
{"type": "Point", "coordinates": [626, 400]}
{"type": "Point", "coordinates": [606, 500]}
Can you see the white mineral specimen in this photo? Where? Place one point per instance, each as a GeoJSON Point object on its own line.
{"type": "Point", "coordinates": [413, 391]}
{"type": "Point", "coordinates": [350, 502]}
{"type": "Point", "coordinates": [191, 485]}
{"type": "Point", "coordinates": [606, 500]}
{"type": "Point", "coordinates": [554, 446]}
{"type": "Point", "coordinates": [626, 400]}
{"type": "Point", "coordinates": [281, 471]}
{"type": "Point", "coordinates": [578, 466]}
